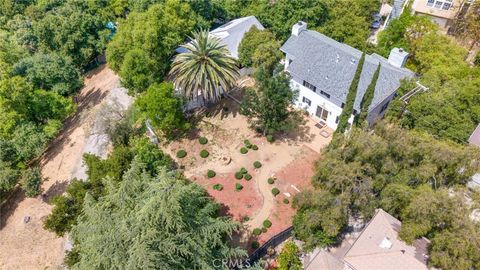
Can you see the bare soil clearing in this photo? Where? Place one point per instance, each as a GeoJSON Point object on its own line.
{"type": "Point", "coordinates": [290, 158]}
{"type": "Point", "coordinates": [28, 245]}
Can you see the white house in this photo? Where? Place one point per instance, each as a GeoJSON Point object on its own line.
{"type": "Point", "coordinates": [322, 69]}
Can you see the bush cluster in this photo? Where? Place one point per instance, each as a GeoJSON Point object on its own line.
{"type": "Point", "coordinates": [204, 153]}
{"type": "Point", "coordinates": [267, 223]}
{"type": "Point", "coordinates": [203, 140]}
{"type": "Point", "coordinates": [271, 181]}
{"type": "Point", "coordinates": [247, 177]}
{"type": "Point", "coordinates": [257, 231]}
{"type": "Point", "coordinates": [270, 138]}
{"type": "Point", "coordinates": [238, 187]}
{"type": "Point", "coordinates": [248, 144]}
{"type": "Point", "coordinates": [218, 187]}
{"type": "Point", "coordinates": [275, 191]}
{"type": "Point", "coordinates": [286, 201]}
{"type": "Point", "coordinates": [181, 154]}
{"type": "Point", "coordinates": [255, 244]}
{"type": "Point", "coordinates": [257, 164]}
{"type": "Point", "coordinates": [254, 147]}
{"type": "Point", "coordinates": [243, 150]}
{"type": "Point", "coordinates": [238, 175]}
{"type": "Point", "coordinates": [211, 173]}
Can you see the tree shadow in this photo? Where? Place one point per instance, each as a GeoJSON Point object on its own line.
{"type": "Point", "coordinates": [58, 188]}
{"type": "Point", "coordinates": [8, 207]}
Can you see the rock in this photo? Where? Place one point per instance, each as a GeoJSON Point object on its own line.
{"type": "Point", "coordinates": [226, 160]}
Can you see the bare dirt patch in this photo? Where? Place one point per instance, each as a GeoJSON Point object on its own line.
{"type": "Point", "coordinates": [28, 245]}
{"type": "Point", "coordinates": [290, 158]}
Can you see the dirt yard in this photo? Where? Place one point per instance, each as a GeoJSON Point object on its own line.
{"type": "Point", "coordinates": [290, 159]}
{"type": "Point", "coordinates": [28, 245]}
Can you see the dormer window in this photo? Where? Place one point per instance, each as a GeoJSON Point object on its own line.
{"type": "Point", "coordinates": [310, 86]}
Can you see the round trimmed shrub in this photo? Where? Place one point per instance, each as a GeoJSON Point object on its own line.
{"type": "Point", "coordinates": [238, 175]}
{"type": "Point", "coordinates": [204, 153]}
{"type": "Point", "coordinates": [243, 150]}
{"type": "Point", "coordinates": [267, 223]}
{"type": "Point", "coordinates": [181, 154]}
{"type": "Point", "coordinates": [238, 187]}
{"type": "Point", "coordinates": [218, 187]}
{"type": "Point", "coordinates": [257, 164]}
{"type": "Point", "coordinates": [286, 201]}
{"type": "Point", "coordinates": [255, 244]}
{"type": "Point", "coordinates": [247, 143]}
{"type": "Point", "coordinates": [270, 138]}
{"type": "Point", "coordinates": [247, 177]}
{"type": "Point", "coordinates": [264, 230]}
{"type": "Point", "coordinates": [257, 231]}
{"type": "Point", "coordinates": [271, 181]}
{"type": "Point", "coordinates": [275, 191]}
{"type": "Point", "coordinates": [255, 147]}
{"type": "Point", "coordinates": [203, 140]}
{"type": "Point", "coordinates": [243, 170]}
{"type": "Point", "coordinates": [211, 173]}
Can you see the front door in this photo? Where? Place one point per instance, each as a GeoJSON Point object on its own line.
{"type": "Point", "coordinates": [321, 113]}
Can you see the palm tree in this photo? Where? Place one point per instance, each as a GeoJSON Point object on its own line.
{"type": "Point", "coordinates": [204, 67]}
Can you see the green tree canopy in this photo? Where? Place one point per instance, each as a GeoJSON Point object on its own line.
{"type": "Point", "coordinates": [268, 106]}
{"type": "Point", "coordinates": [288, 258]}
{"type": "Point", "coordinates": [165, 110]}
{"type": "Point", "coordinates": [162, 222]}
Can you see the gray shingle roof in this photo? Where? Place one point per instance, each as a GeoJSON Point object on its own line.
{"type": "Point", "coordinates": [331, 65]}
{"type": "Point", "coordinates": [232, 32]}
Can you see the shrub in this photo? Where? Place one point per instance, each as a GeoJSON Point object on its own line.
{"type": "Point", "coordinates": [218, 187]}
{"type": "Point", "coordinates": [255, 244]}
{"type": "Point", "coordinates": [247, 177]}
{"type": "Point", "coordinates": [245, 218]}
{"type": "Point", "coordinates": [264, 230]}
{"type": "Point", "coordinates": [267, 223]}
{"type": "Point", "coordinates": [270, 138]}
{"type": "Point", "coordinates": [204, 153]}
{"type": "Point", "coordinates": [257, 231]}
{"type": "Point", "coordinates": [203, 140]}
{"type": "Point", "coordinates": [286, 201]}
{"type": "Point", "coordinates": [238, 187]}
{"type": "Point", "coordinates": [255, 147]}
{"type": "Point", "coordinates": [271, 181]}
{"type": "Point", "coordinates": [477, 60]}
{"type": "Point", "coordinates": [225, 108]}
{"type": "Point", "coordinates": [181, 154]}
{"type": "Point", "coordinates": [238, 175]}
{"type": "Point", "coordinates": [248, 144]}
{"type": "Point", "coordinates": [257, 164]}
{"type": "Point", "coordinates": [275, 191]}
{"type": "Point", "coordinates": [243, 170]}
{"type": "Point", "coordinates": [211, 174]}
{"type": "Point", "coordinates": [243, 150]}
{"type": "Point", "coordinates": [31, 181]}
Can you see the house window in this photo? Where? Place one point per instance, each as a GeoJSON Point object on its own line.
{"type": "Point", "coordinates": [355, 112]}
{"type": "Point", "coordinates": [307, 101]}
{"type": "Point", "coordinates": [309, 86]}
{"type": "Point", "coordinates": [336, 120]}
{"type": "Point", "coordinates": [343, 105]}
{"type": "Point", "coordinates": [384, 107]}
{"type": "Point", "coordinates": [446, 6]}
{"type": "Point", "coordinates": [325, 94]}
{"type": "Point", "coordinates": [438, 4]}
{"type": "Point", "coordinates": [321, 113]}
{"type": "Point", "coordinates": [430, 3]}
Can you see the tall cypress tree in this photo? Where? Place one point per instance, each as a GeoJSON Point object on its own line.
{"type": "Point", "coordinates": [367, 98]}
{"type": "Point", "coordinates": [352, 93]}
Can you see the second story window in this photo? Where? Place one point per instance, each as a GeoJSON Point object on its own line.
{"type": "Point", "coordinates": [430, 3]}
{"type": "Point", "coordinates": [309, 86]}
{"type": "Point", "coordinates": [325, 94]}
{"type": "Point", "coordinates": [440, 4]}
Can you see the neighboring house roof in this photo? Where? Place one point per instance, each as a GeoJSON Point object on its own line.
{"type": "Point", "coordinates": [232, 33]}
{"type": "Point", "coordinates": [331, 65]}
{"type": "Point", "coordinates": [378, 247]}
{"type": "Point", "coordinates": [475, 137]}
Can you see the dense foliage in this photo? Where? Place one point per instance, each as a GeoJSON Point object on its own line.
{"type": "Point", "coordinates": [288, 257]}
{"type": "Point", "coordinates": [152, 37]}
{"type": "Point", "coordinates": [350, 101]}
{"type": "Point", "coordinates": [162, 222]}
{"type": "Point", "coordinates": [259, 49]}
{"type": "Point", "coordinates": [163, 109]}
{"type": "Point", "coordinates": [268, 105]}
{"type": "Point", "coordinates": [450, 108]}
{"type": "Point", "coordinates": [406, 173]}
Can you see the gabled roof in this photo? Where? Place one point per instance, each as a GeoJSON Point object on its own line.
{"type": "Point", "coordinates": [232, 33]}
{"type": "Point", "coordinates": [331, 65]}
{"type": "Point", "coordinates": [475, 137]}
{"type": "Point", "coordinates": [378, 247]}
